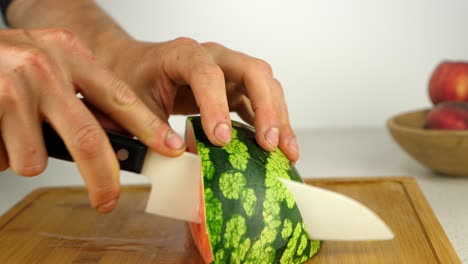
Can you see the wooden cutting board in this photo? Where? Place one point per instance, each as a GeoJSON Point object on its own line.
{"type": "Point", "coordinates": [57, 225]}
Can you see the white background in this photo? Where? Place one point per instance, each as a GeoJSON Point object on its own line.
{"type": "Point", "coordinates": [347, 63]}
{"type": "Point", "coordinates": [343, 64]}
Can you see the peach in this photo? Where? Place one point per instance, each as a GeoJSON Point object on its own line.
{"type": "Point", "coordinates": [448, 115]}
{"type": "Point", "coordinates": [449, 82]}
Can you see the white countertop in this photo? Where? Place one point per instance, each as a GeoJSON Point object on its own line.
{"type": "Point", "coordinates": [324, 153]}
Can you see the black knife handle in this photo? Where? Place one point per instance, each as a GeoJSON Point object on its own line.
{"type": "Point", "coordinates": [130, 152]}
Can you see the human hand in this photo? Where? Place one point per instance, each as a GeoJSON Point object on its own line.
{"type": "Point", "coordinates": [183, 76]}
{"type": "Point", "coordinates": [41, 72]}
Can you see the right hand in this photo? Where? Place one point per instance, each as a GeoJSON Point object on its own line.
{"type": "Point", "coordinates": [41, 72]}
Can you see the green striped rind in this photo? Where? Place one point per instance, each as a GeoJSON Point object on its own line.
{"type": "Point", "coordinates": [251, 216]}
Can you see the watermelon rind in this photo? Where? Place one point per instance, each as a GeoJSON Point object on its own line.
{"type": "Point", "coordinates": [251, 217]}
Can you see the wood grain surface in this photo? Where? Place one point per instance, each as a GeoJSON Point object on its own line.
{"type": "Point", "coordinates": [57, 225]}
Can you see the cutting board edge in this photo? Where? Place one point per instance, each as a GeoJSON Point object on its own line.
{"type": "Point", "coordinates": [433, 228]}
{"type": "Point", "coordinates": [21, 205]}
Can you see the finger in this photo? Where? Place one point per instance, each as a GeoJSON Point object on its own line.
{"type": "Point", "coordinates": [257, 76]}
{"type": "Point", "coordinates": [190, 63]}
{"type": "Point", "coordinates": [116, 99]}
{"type": "Point", "coordinates": [24, 144]}
{"type": "Point", "coordinates": [287, 142]}
{"type": "Point", "coordinates": [20, 128]}
{"type": "Point", "coordinates": [90, 149]}
{"type": "Point", "coordinates": [85, 140]}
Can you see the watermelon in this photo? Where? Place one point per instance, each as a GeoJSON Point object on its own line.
{"type": "Point", "coordinates": [248, 215]}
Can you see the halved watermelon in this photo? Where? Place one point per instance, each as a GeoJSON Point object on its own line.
{"type": "Point", "coordinates": [248, 215]}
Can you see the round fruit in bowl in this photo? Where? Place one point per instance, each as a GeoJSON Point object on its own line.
{"type": "Point", "coordinates": [449, 82]}
{"type": "Point", "coordinates": [448, 115]}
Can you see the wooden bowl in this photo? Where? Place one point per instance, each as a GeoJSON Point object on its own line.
{"type": "Point", "coordinates": [443, 151]}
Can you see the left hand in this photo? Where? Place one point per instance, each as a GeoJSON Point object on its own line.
{"type": "Point", "coordinates": [183, 76]}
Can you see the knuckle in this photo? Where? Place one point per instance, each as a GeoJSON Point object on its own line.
{"type": "Point", "coordinates": [65, 35]}
{"type": "Point", "coordinates": [60, 35]}
{"type": "Point", "coordinates": [38, 60]}
{"type": "Point", "coordinates": [43, 66]}
{"type": "Point", "coordinates": [66, 38]}
{"type": "Point", "coordinates": [122, 93]}
{"type": "Point", "coordinates": [278, 87]}
{"type": "Point", "coordinates": [87, 141]}
{"type": "Point", "coordinates": [277, 83]}
{"type": "Point", "coordinates": [185, 41]}
{"type": "Point", "coordinates": [214, 46]}
{"type": "Point", "coordinates": [155, 124]}
{"type": "Point", "coordinates": [34, 56]}
{"type": "Point", "coordinates": [259, 65]}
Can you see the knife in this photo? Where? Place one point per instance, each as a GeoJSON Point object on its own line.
{"type": "Point", "coordinates": [176, 185]}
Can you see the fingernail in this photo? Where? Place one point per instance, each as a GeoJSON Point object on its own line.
{"type": "Point", "coordinates": [223, 133]}
{"type": "Point", "coordinates": [272, 137]}
{"type": "Point", "coordinates": [292, 145]}
{"type": "Point", "coordinates": [107, 207]}
{"type": "Point", "coordinates": [174, 141]}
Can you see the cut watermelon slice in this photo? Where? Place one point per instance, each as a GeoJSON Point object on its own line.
{"type": "Point", "coordinates": [248, 215]}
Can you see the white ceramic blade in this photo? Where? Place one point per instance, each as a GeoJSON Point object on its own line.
{"type": "Point", "coordinates": [175, 182]}
{"type": "Point", "coordinates": [329, 215]}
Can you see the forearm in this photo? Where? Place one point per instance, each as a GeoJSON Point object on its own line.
{"type": "Point", "coordinates": [83, 17]}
